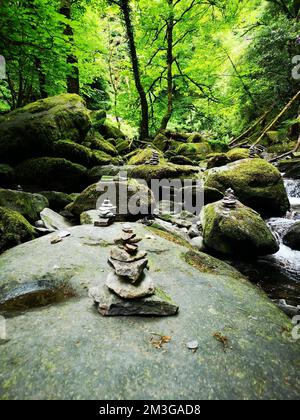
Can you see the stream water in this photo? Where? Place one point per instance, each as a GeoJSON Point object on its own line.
{"type": "Point", "coordinates": [279, 274]}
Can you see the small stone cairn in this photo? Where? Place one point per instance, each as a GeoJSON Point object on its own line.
{"type": "Point", "coordinates": [229, 201]}
{"type": "Point", "coordinates": [129, 289]}
{"type": "Point", "coordinates": [154, 160]}
{"type": "Point", "coordinates": [106, 214]}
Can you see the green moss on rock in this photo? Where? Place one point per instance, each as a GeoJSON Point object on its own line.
{"type": "Point", "coordinates": [98, 118]}
{"type": "Point", "coordinates": [73, 152]}
{"type": "Point", "coordinates": [6, 175]}
{"type": "Point", "coordinates": [240, 232]}
{"type": "Point", "coordinates": [90, 198]}
{"type": "Point", "coordinates": [237, 154]}
{"type": "Point", "coordinates": [257, 184]}
{"type": "Point", "coordinates": [53, 174]}
{"type": "Point", "coordinates": [195, 138]}
{"type": "Point", "coordinates": [109, 130]}
{"type": "Point", "coordinates": [141, 156]}
{"type": "Point", "coordinates": [28, 205]}
{"type": "Point", "coordinates": [191, 150]}
{"type": "Point", "coordinates": [96, 141]}
{"type": "Point", "coordinates": [163, 171]}
{"type": "Point", "coordinates": [32, 130]}
{"type": "Point", "coordinates": [57, 200]}
{"type": "Point", "coordinates": [161, 142]}
{"type": "Point", "coordinates": [14, 229]}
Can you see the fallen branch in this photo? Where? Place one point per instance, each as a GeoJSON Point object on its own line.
{"type": "Point", "coordinates": [256, 123]}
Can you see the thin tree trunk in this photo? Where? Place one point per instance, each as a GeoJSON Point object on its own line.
{"type": "Point", "coordinates": [144, 126]}
{"type": "Point", "coordinates": [73, 78]}
{"type": "Point", "coordinates": [297, 148]}
{"type": "Point", "coordinates": [170, 27]}
{"type": "Point", "coordinates": [42, 78]}
{"type": "Point", "coordinates": [268, 128]}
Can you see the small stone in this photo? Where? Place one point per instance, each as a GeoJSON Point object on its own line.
{"type": "Point", "coordinates": [145, 287]}
{"type": "Point", "coordinates": [104, 222]}
{"type": "Point", "coordinates": [132, 270]}
{"type": "Point", "coordinates": [56, 240]}
{"type": "Point", "coordinates": [109, 304]}
{"type": "Point", "coordinates": [121, 255]}
{"type": "Point", "coordinates": [192, 345]}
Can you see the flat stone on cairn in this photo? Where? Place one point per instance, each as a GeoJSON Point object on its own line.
{"type": "Point", "coordinates": [106, 214]}
{"type": "Point", "coordinates": [229, 201]}
{"type": "Point", "coordinates": [129, 289]}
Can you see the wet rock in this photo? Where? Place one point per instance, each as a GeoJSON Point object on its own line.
{"type": "Point", "coordinates": [238, 231]}
{"type": "Point", "coordinates": [14, 229]}
{"type": "Point", "coordinates": [292, 237]}
{"type": "Point", "coordinates": [109, 304]}
{"type": "Point", "coordinates": [257, 184]}
{"type": "Point", "coordinates": [29, 205]}
{"type": "Point", "coordinates": [57, 200]}
{"type": "Point", "coordinates": [53, 220]}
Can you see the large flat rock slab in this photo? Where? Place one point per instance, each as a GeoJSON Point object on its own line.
{"type": "Point", "coordinates": [67, 350]}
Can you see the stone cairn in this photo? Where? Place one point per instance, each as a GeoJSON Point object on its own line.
{"type": "Point", "coordinates": [129, 289]}
{"type": "Point", "coordinates": [154, 160]}
{"type": "Point", "coordinates": [229, 201]}
{"type": "Point", "coordinates": [106, 214]}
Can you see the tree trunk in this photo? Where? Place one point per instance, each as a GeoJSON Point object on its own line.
{"type": "Point", "coordinates": [42, 78]}
{"type": "Point", "coordinates": [297, 148]}
{"type": "Point", "coordinates": [144, 127]}
{"type": "Point", "coordinates": [73, 77]}
{"type": "Point", "coordinates": [169, 36]}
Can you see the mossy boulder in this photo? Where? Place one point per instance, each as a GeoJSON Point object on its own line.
{"type": "Point", "coordinates": [257, 184]}
{"type": "Point", "coordinates": [97, 172]}
{"type": "Point", "coordinates": [239, 232]}
{"type": "Point", "coordinates": [238, 154]}
{"type": "Point", "coordinates": [292, 237]}
{"type": "Point", "coordinates": [32, 130]}
{"type": "Point", "coordinates": [195, 138]}
{"type": "Point", "coordinates": [57, 200]}
{"type": "Point", "coordinates": [28, 205]}
{"type": "Point", "coordinates": [123, 146]}
{"type": "Point", "coordinates": [221, 159]}
{"type": "Point", "coordinates": [182, 160]}
{"type": "Point", "coordinates": [291, 167]}
{"type": "Point", "coordinates": [121, 194]}
{"type": "Point", "coordinates": [141, 156]}
{"type": "Point", "coordinates": [14, 229]}
{"type": "Point", "coordinates": [217, 160]}
{"type": "Point", "coordinates": [96, 141]}
{"type": "Point", "coordinates": [73, 152]}
{"type": "Point", "coordinates": [161, 142]}
{"type": "Point", "coordinates": [196, 151]}
{"type": "Point", "coordinates": [109, 130]}
{"type": "Point", "coordinates": [98, 118]}
{"type": "Point", "coordinates": [163, 171]}
{"type": "Point", "coordinates": [55, 174]}
{"type": "Point", "coordinates": [6, 175]}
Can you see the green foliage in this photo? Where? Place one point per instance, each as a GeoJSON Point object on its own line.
{"type": "Point", "coordinates": [232, 60]}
